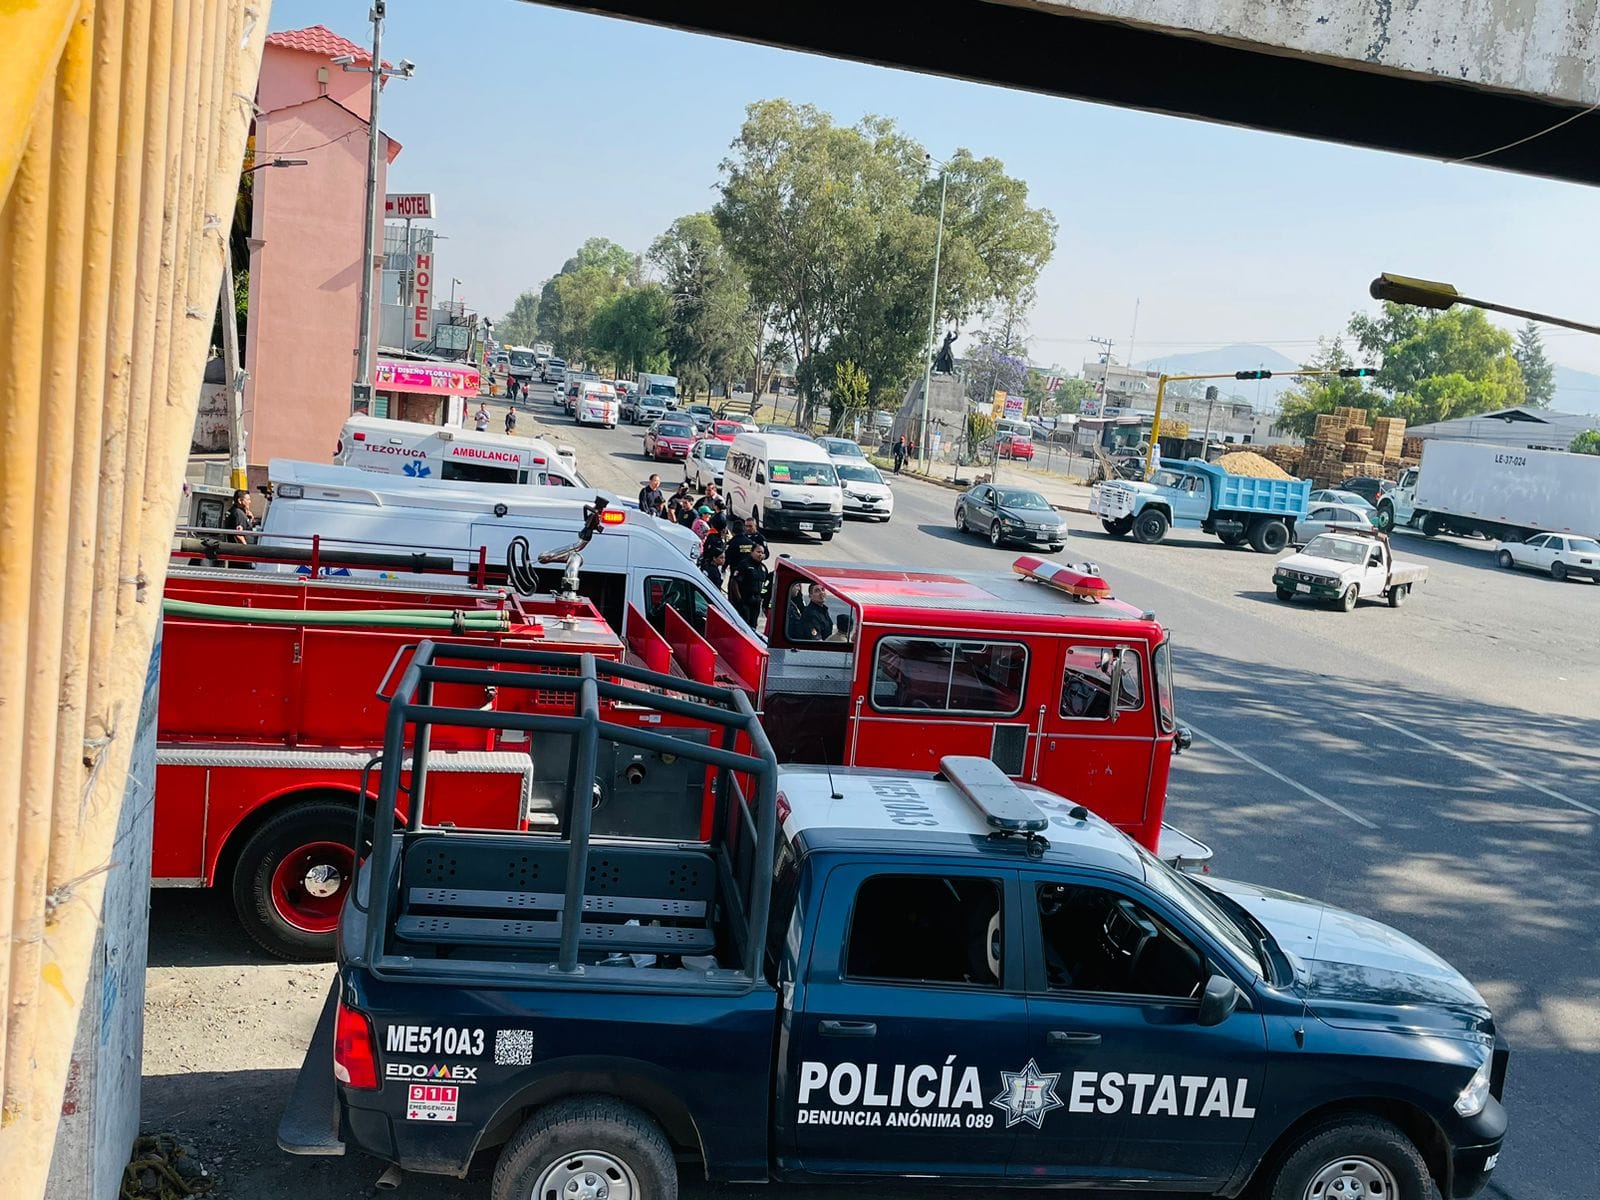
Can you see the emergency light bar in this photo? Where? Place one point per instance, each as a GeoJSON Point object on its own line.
{"type": "Point", "coordinates": [1082, 580]}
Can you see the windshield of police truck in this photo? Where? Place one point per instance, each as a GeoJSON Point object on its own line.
{"type": "Point", "coordinates": [1202, 907]}
{"type": "Point", "coordinates": [1343, 550]}
{"type": "Point", "coordinates": [1028, 500]}
{"type": "Point", "coordinates": [812, 474]}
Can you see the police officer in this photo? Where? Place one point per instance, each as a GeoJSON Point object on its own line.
{"type": "Point", "coordinates": [750, 585]}
{"type": "Point", "coordinates": [744, 542]}
{"type": "Point", "coordinates": [811, 621]}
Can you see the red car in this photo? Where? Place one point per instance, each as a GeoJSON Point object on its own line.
{"type": "Point", "coordinates": [669, 439]}
{"type": "Point", "coordinates": [1013, 445]}
{"type": "Point", "coordinates": [726, 431]}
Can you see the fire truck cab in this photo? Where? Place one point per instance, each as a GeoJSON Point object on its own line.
{"type": "Point", "coordinates": [1070, 693]}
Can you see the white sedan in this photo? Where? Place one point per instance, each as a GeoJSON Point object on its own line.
{"type": "Point", "coordinates": [706, 462]}
{"type": "Point", "coordinates": [1559, 554]}
{"type": "Point", "coordinates": [865, 492]}
{"type": "Point", "coordinates": [1324, 517]}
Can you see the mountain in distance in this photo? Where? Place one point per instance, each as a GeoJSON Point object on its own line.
{"type": "Point", "coordinates": [1576, 391]}
{"type": "Point", "coordinates": [1224, 359]}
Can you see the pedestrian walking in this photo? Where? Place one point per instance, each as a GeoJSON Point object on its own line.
{"type": "Point", "coordinates": [650, 499]}
{"type": "Point", "coordinates": [511, 388]}
{"type": "Point", "coordinates": [511, 420]}
{"type": "Point", "coordinates": [750, 586]}
{"type": "Point", "coordinates": [481, 418]}
{"type": "Point", "coordinates": [900, 453]}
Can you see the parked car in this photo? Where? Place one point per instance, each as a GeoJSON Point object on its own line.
{"type": "Point", "coordinates": [669, 439]}
{"type": "Point", "coordinates": [1013, 445]}
{"type": "Point", "coordinates": [706, 462]}
{"type": "Point", "coordinates": [865, 492]}
{"type": "Point", "coordinates": [838, 447]}
{"type": "Point", "coordinates": [1340, 496]}
{"type": "Point", "coordinates": [1559, 554]}
{"type": "Point", "coordinates": [725, 431]}
{"type": "Point", "coordinates": [1010, 515]}
{"type": "Point", "coordinates": [1368, 487]}
{"type": "Point", "coordinates": [1324, 517]}
{"type": "Point", "coordinates": [701, 415]}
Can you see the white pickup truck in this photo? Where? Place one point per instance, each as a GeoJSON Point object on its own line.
{"type": "Point", "coordinates": [1345, 566]}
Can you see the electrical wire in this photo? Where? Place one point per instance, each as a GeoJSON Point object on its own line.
{"type": "Point", "coordinates": [1522, 141]}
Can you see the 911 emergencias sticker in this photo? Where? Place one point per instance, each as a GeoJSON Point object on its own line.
{"type": "Point", "coordinates": [428, 1102]}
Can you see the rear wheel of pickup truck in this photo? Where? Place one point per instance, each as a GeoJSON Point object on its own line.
{"type": "Point", "coordinates": [1398, 594]}
{"type": "Point", "coordinates": [290, 880]}
{"type": "Point", "coordinates": [1351, 1157]}
{"type": "Point", "coordinates": [586, 1148]}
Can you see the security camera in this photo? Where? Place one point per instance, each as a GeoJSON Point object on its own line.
{"type": "Point", "coordinates": [344, 60]}
{"type": "Point", "coordinates": [407, 66]}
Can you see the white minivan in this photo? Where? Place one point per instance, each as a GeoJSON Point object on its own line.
{"type": "Point", "coordinates": [595, 403]}
{"type": "Point", "coordinates": [636, 563]}
{"type": "Point", "coordinates": [452, 454]}
{"type": "Point", "coordinates": [787, 483]}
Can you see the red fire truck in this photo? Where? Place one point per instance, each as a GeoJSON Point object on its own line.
{"type": "Point", "coordinates": [271, 707]}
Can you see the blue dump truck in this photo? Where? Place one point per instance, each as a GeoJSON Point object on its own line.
{"type": "Point", "coordinates": [855, 975]}
{"type": "Point", "coordinates": [1201, 495]}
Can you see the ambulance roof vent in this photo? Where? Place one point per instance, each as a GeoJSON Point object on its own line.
{"type": "Point", "coordinates": [1004, 806]}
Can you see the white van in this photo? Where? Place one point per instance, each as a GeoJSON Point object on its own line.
{"type": "Point", "coordinates": [453, 454]}
{"type": "Point", "coordinates": [594, 403]}
{"type": "Point", "coordinates": [787, 483]}
{"type": "Point", "coordinates": [639, 561]}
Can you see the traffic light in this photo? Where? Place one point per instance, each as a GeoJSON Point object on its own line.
{"type": "Point", "coordinates": [1356, 372]}
{"type": "Point", "coordinates": [1252, 374]}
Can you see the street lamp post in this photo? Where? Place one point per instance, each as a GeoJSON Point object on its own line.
{"type": "Point", "coordinates": [362, 390]}
{"type": "Point", "coordinates": [1425, 293]}
{"type": "Point", "coordinates": [933, 310]}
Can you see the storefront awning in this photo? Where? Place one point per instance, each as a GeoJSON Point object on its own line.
{"type": "Point", "coordinates": [432, 379]}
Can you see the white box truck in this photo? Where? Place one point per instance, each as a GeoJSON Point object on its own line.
{"type": "Point", "coordinates": [1498, 491]}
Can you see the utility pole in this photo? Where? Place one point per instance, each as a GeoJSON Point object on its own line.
{"type": "Point", "coordinates": [239, 478]}
{"type": "Point", "coordinates": [361, 390]}
{"type": "Point", "coordinates": [933, 310]}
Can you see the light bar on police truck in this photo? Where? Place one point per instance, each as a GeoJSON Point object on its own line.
{"type": "Point", "coordinates": [1082, 580]}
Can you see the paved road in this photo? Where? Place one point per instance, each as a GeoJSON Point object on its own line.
{"type": "Point", "coordinates": [1436, 767]}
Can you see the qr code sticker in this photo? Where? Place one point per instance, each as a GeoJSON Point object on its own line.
{"type": "Point", "coordinates": [513, 1047]}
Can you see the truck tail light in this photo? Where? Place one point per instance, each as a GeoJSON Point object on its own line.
{"type": "Point", "coordinates": [360, 437]}
{"type": "Point", "coordinates": [355, 1063]}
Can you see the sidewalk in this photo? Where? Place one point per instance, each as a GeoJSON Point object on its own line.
{"type": "Point", "coordinates": [1063, 492]}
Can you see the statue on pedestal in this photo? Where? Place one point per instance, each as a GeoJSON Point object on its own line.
{"type": "Point", "coordinates": [944, 362]}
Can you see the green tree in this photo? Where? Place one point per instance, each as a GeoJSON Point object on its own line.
{"type": "Point", "coordinates": [1312, 396]}
{"type": "Point", "coordinates": [850, 392]}
{"type": "Point", "coordinates": [630, 330]}
{"type": "Point", "coordinates": [1538, 373]}
{"type": "Point", "coordinates": [1587, 442]}
{"type": "Point", "coordinates": [569, 300]}
{"type": "Point", "coordinates": [520, 326]}
{"type": "Point", "coordinates": [835, 227]}
{"type": "Point", "coordinates": [1072, 393]}
{"type": "Point", "coordinates": [1439, 365]}
{"type": "Point", "coordinates": [998, 362]}
{"type": "Point", "coordinates": [712, 330]}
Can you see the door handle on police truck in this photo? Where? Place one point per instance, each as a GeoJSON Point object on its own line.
{"type": "Point", "coordinates": [1071, 1037]}
{"type": "Point", "coordinates": [862, 1029]}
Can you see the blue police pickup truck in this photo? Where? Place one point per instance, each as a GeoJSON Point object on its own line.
{"type": "Point", "coordinates": [859, 975]}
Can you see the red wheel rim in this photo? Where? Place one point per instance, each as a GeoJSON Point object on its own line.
{"type": "Point", "coordinates": [309, 884]}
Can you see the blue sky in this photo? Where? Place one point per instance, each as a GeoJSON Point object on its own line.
{"type": "Point", "coordinates": [537, 128]}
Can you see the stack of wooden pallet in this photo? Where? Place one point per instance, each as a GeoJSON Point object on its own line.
{"type": "Point", "coordinates": [1344, 444]}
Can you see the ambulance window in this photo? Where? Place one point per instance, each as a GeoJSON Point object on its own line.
{"type": "Point", "coordinates": [923, 674]}
{"type": "Point", "coordinates": [1086, 683]}
{"type": "Point", "coordinates": [927, 929]}
{"type": "Point", "coordinates": [477, 472]}
{"type": "Point", "coordinates": [669, 591]}
{"type": "Point", "coordinates": [1095, 940]}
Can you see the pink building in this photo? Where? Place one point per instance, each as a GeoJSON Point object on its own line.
{"type": "Point", "coordinates": [306, 243]}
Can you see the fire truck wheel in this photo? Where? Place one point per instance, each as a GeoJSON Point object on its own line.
{"type": "Point", "coordinates": [291, 878]}
{"type": "Point", "coordinates": [587, 1146]}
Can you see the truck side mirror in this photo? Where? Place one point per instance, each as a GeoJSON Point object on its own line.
{"type": "Point", "coordinates": [1116, 682]}
{"type": "Point", "coordinates": [760, 478]}
{"type": "Point", "coordinates": [1218, 1001]}
{"type": "Point", "coordinates": [1183, 739]}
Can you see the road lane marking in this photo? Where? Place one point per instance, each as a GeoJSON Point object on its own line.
{"type": "Point", "coordinates": [1279, 776]}
{"type": "Point", "coordinates": [1481, 765]}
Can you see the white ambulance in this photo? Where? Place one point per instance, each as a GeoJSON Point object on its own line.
{"type": "Point", "coordinates": [453, 454]}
